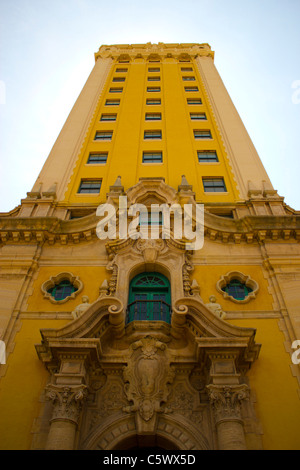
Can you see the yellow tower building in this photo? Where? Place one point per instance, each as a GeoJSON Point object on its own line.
{"type": "Point", "coordinates": [118, 330]}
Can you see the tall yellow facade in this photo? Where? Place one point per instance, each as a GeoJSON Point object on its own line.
{"type": "Point", "coordinates": [123, 342]}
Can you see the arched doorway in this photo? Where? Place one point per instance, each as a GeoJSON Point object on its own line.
{"type": "Point", "coordinates": [172, 433]}
{"type": "Point", "coordinates": [147, 443]}
{"type": "Point", "coordinates": [149, 298]}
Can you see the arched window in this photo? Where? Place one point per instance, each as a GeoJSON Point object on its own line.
{"type": "Point", "coordinates": [149, 298]}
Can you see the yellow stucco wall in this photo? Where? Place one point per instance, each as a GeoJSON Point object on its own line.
{"type": "Point", "coordinates": [22, 385]}
{"type": "Point", "coordinates": [271, 379]}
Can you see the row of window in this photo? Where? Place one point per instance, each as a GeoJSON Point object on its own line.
{"type": "Point", "coordinates": [210, 185]}
{"type": "Point", "coordinates": [155, 78]}
{"type": "Point", "coordinates": [154, 117]}
{"type": "Point", "coordinates": [152, 69]}
{"type": "Point", "coordinates": [204, 156]}
{"type": "Point", "coordinates": [153, 134]}
{"type": "Point", "coordinates": [153, 89]}
{"type": "Point", "coordinates": [149, 295]}
{"type": "Point", "coordinates": [154, 102]}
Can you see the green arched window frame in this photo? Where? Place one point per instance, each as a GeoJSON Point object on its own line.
{"type": "Point", "coordinates": [149, 298]}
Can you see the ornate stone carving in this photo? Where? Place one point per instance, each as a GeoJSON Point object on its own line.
{"type": "Point", "coordinates": [146, 377]}
{"type": "Point", "coordinates": [154, 51]}
{"type": "Point", "coordinates": [216, 308]}
{"type": "Point", "coordinates": [103, 289]}
{"type": "Point", "coordinates": [183, 402]}
{"type": "Point", "coordinates": [150, 249]}
{"type": "Point", "coordinates": [113, 268]}
{"type": "Point", "coordinates": [226, 400]}
{"type": "Point", "coordinates": [67, 401]}
{"type": "Point", "coordinates": [111, 401]}
{"type": "Point", "coordinates": [186, 270]}
{"type": "Point", "coordinates": [78, 311]}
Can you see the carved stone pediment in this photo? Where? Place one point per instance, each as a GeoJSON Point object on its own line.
{"type": "Point", "coordinates": [83, 335]}
{"type": "Point", "coordinates": [154, 189]}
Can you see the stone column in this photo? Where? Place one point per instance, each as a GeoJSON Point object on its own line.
{"type": "Point", "coordinates": [67, 404]}
{"type": "Point", "coordinates": [226, 403]}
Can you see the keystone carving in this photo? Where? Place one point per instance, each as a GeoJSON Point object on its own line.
{"type": "Point", "coordinates": [150, 249]}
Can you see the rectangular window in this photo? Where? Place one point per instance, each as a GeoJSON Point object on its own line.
{"type": "Point", "coordinates": [152, 157]}
{"type": "Point", "coordinates": [203, 134]}
{"type": "Point", "coordinates": [112, 102]}
{"type": "Point", "coordinates": [103, 135]}
{"type": "Point", "coordinates": [188, 79]}
{"type": "Point", "coordinates": [89, 186]}
{"type": "Point", "coordinates": [115, 90]}
{"type": "Point", "coordinates": [152, 89]}
{"type": "Point", "coordinates": [186, 69]}
{"type": "Point", "coordinates": [152, 218]}
{"type": "Point", "coordinates": [108, 117]}
{"type": "Point", "coordinates": [214, 185]}
{"type": "Point", "coordinates": [97, 157]}
{"type": "Point", "coordinates": [153, 117]}
{"type": "Point", "coordinates": [153, 102]}
{"type": "Point", "coordinates": [209, 156]}
{"type": "Point", "coordinates": [119, 70]}
{"type": "Point", "coordinates": [198, 116]}
{"type": "Point", "coordinates": [153, 79]}
{"type": "Point", "coordinates": [191, 88]}
{"type": "Point", "coordinates": [194, 101]}
{"type": "Point", "coordinates": [154, 69]}
{"type": "Point", "coordinates": [152, 135]}
{"type": "Point", "coordinates": [118, 79]}
{"type": "Point", "coordinates": [124, 61]}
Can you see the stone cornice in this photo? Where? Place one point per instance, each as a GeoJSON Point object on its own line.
{"type": "Point", "coordinates": [54, 230]}
{"type": "Point", "coordinates": [149, 50]}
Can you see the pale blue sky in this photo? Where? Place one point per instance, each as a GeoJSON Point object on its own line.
{"type": "Point", "coordinates": [47, 52]}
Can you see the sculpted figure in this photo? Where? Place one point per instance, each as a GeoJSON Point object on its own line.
{"type": "Point", "coordinates": [215, 307]}
{"type": "Point", "coordinates": [78, 311]}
